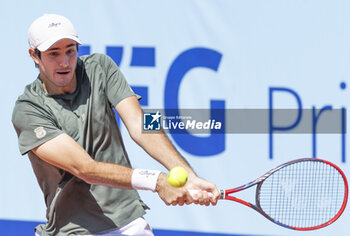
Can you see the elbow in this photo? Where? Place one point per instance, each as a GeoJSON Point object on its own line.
{"type": "Point", "coordinates": [85, 171]}
{"type": "Point", "coordinates": [136, 138]}
{"type": "Point", "coordinates": [135, 133]}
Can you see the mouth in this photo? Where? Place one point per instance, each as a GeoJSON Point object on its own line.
{"type": "Point", "coordinates": [63, 72]}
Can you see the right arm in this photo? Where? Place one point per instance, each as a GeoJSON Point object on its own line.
{"type": "Point", "coordinates": [65, 153]}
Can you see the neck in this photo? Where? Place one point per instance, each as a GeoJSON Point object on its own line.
{"type": "Point", "coordinates": [53, 89]}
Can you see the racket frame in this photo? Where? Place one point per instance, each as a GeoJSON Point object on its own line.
{"type": "Point", "coordinates": [225, 194]}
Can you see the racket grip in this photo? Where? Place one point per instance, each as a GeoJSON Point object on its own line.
{"type": "Point", "coordinates": [195, 191]}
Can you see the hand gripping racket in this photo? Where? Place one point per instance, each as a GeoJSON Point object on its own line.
{"type": "Point", "coordinates": [304, 194]}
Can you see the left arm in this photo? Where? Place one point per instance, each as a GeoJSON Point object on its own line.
{"type": "Point", "coordinates": [158, 146]}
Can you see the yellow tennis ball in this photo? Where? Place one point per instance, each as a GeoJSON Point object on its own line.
{"type": "Point", "coordinates": [177, 176]}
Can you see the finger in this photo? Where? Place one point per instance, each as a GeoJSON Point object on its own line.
{"type": "Point", "coordinates": [181, 199]}
{"type": "Point", "coordinates": [194, 195]}
{"type": "Point", "coordinates": [203, 198]}
{"type": "Point", "coordinates": [181, 202]}
{"type": "Point", "coordinates": [198, 196]}
{"type": "Point", "coordinates": [188, 198]}
{"type": "Point", "coordinates": [214, 197]}
{"type": "Point", "coordinates": [206, 200]}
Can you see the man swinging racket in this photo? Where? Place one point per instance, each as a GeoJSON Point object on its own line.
{"type": "Point", "coordinates": [66, 124]}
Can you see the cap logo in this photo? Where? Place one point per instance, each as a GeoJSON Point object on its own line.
{"type": "Point", "coordinates": [54, 24]}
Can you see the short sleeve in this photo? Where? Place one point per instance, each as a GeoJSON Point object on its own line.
{"type": "Point", "coordinates": [117, 87]}
{"type": "Point", "coordinates": [34, 126]}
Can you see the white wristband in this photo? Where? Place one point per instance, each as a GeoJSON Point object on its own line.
{"type": "Point", "coordinates": [145, 179]}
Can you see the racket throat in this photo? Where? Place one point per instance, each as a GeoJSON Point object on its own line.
{"type": "Point", "coordinates": [222, 194]}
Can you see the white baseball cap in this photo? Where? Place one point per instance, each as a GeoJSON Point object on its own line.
{"type": "Point", "coordinates": [48, 29]}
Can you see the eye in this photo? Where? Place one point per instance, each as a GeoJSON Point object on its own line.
{"type": "Point", "coordinates": [53, 53]}
{"type": "Point", "coordinates": [71, 51]}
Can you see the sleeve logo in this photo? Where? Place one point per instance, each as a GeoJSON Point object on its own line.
{"type": "Point", "coordinates": [40, 132]}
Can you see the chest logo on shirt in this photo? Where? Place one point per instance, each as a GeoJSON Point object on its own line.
{"type": "Point", "coordinates": [40, 132]}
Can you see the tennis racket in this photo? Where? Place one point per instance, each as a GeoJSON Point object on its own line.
{"type": "Point", "coordinates": [303, 194]}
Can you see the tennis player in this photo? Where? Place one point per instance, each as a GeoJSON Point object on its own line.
{"type": "Point", "coordinates": [66, 125]}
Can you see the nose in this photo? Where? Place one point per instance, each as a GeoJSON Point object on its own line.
{"type": "Point", "coordinates": [64, 61]}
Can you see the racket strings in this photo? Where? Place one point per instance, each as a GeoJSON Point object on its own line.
{"type": "Point", "coordinates": [304, 194]}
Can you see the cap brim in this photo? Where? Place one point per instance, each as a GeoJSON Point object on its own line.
{"type": "Point", "coordinates": [48, 43]}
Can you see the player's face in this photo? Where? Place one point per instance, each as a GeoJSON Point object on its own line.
{"type": "Point", "coordinates": [57, 67]}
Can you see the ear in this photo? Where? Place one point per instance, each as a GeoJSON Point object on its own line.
{"type": "Point", "coordinates": [34, 56]}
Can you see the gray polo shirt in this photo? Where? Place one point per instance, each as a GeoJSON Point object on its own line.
{"type": "Point", "coordinates": [73, 206]}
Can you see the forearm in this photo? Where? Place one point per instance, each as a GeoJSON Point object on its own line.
{"type": "Point", "coordinates": [158, 146]}
{"type": "Point", "coordinates": [108, 174]}
{"type": "Point", "coordinates": [64, 153]}
{"type": "Point", "coordinates": [117, 176]}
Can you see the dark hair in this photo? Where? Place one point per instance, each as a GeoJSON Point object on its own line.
{"type": "Point", "coordinates": [38, 53]}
